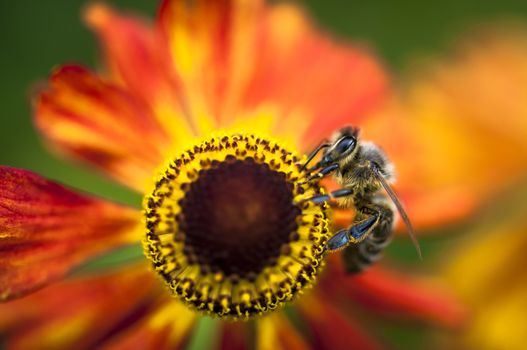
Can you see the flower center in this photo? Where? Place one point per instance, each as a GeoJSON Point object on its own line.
{"type": "Point", "coordinates": [236, 217]}
{"type": "Point", "coordinates": [225, 231]}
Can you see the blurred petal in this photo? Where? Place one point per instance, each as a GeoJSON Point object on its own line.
{"type": "Point", "coordinates": [137, 57]}
{"type": "Point", "coordinates": [237, 57]}
{"type": "Point", "coordinates": [318, 83]}
{"type": "Point", "coordinates": [274, 332]}
{"type": "Point", "coordinates": [212, 47]}
{"type": "Point", "coordinates": [78, 313]}
{"type": "Point", "coordinates": [398, 295]}
{"type": "Point", "coordinates": [458, 135]}
{"type": "Point", "coordinates": [234, 336]}
{"type": "Point", "coordinates": [489, 275]}
{"type": "Point", "coordinates": [166, 327]}
{"type": "Point", "coordinates": [331, 329]}
{"type": "Point", "coordinates": [101, 124]}
{"type": "Point", "coordinates": [46, 229]}
{"type": "Point", "coordinates": [130, 47]}
{"type": "Point", "coordinates": [427, 196]}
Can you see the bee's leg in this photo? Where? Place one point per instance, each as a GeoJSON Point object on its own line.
{"type": "Point", "coordinates": [325, 171]}
{"type": "Point", "coordinates": [369, 249]}
{"type": "Point", "coordinates": [370, 232]}
{"type": "Point", "coordinates": [363, 224]}
{"type": "Point", "coordinates": [353, 234]}
{"type": "Point", "coordinates": [343, 192]}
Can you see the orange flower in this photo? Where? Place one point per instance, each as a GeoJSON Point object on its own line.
{"type": "Point", "coordinates": [487, 85]}
{"type": "Point", "coordinates": [463, 124]}
{"type": "Point", "coordinates": [177, 100]}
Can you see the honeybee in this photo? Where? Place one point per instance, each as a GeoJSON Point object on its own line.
{"type": "Point", "coordinates": [365, 174]}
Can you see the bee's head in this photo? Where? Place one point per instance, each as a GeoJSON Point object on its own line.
{"type": "Point", "coordinates": [343, 145]}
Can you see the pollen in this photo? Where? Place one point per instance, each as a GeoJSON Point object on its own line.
{"type": "Point", "coordinates": [227, 230]}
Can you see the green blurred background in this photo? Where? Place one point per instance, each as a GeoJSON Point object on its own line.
{"type": "Point", "coordinates": [35, 36]}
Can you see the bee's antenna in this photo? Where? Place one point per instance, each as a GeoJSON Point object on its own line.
{"type": "Point", "coordinates": [314, 153]}
{"type": "Point", "coordinates": [400, 208]}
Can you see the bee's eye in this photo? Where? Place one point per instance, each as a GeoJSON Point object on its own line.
{"type": "Point", "coordinates": [346, 145]}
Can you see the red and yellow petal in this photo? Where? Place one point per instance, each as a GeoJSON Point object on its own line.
{"type": "Point", "coordinates": [138, 60]}
{"type": "Point", "coordinates": [79, 313]}
{"type": "Point", "coordinates": [47, 229]}
{"type": "Point", "coordinates": [330, 328]}
{"type": "Point", "coordinates": [131, 50]}
{"type": "Point", "coordinates": [207, 65]}
{"type": "Point", "coordinates": [267, 64]}
{"type": "Point", "coordinates": [167, 326]}
{"type": "Point", "coordinates": [274, 332]}
{"type": "Point", "coordinates": [212, 48]}
{"type": "Point", "coordinates": [101, 124]}
{"type": "Point", "coordinates": [316, 82]}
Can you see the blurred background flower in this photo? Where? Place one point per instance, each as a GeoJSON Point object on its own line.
{"type": "Point", "coordinates": [458, 112]}
{"type": "Point", "coordinates": [484, 83]}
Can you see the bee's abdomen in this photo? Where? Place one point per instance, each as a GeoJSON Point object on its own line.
{"type": "Point", "coordinates": [358, 257]}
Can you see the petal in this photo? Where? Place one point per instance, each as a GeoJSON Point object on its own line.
{"type": "Point", "coordinates": [101, 124]}
{"type": "Point", "coordinates": [138, 60]}
{"type": "Point", "coordinates": [234, 336]}
{"type": "Point", "coordinates": [494, 258]}
{"type": "Point", "coordinates": [330, 328]}
{"type": "Point", "coordinates": [457, 135]}
{"type": "Point", "coordinates": [275, 332]}
{"type": "Point", "coordinates": [317, 82]}
{"type": "Point", "coordinates": [398, 295]}
{"type": "Point", "coordinates": [429, 196]}
{"type": "Point", "coordinates": [46, 230]}
{"type": "Point", "coordinates": [130, 48]}
{"type": "Point", "coordinates": [212, 46]}
{"type": "Point", "coordinates": [78, 313]}
{"type": "Point", "coordinates": [237, 57]}
{"type": "Point", "coordinates": [166, 327]}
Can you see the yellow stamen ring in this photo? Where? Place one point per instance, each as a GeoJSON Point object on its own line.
{"type": "Point", "coordinates": [226, 230]}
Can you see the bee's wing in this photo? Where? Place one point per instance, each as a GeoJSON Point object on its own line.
{"type": "Point", "coordinates": [400, 209]}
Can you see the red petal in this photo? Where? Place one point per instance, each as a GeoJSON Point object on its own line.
{"type": "Point", "coordinates": [239, 59]}
{"type": "Point", "coordinates": [131, 49]}
{"type": "Point", "coordinates": [305, 72]}
{"type": "Point", "coordinates": [78, 313]}
{"type": "Point", "coordinates": [331, 329]}
{"type": "Point", "coordinates": [399, 295]}
{"type": "Point", "coordinates": [212, 46]}
{"type": "Point", "coordinates": [139, 59]}
{"type": "Point", "coordinates": [233, 336]}
{"type": "Point", "coordinates": [167, 326]}
{"type": "Point", "coordinates": [46, 229]}
{"type": "Point", "coordinates": [101, 124]}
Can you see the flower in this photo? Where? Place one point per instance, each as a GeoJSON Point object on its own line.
{"type": "Point", "coordinates": [181, 108]}
{"type": "Point", "coordinates": [487, 83]}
